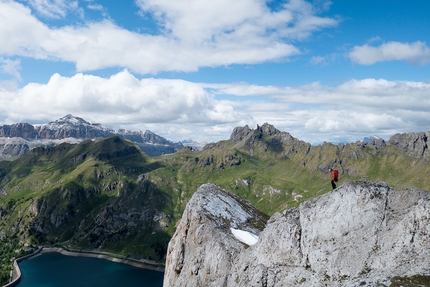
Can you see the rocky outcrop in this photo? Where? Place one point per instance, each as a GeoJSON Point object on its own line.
{"type": "Point", "coordinates": [23, 130]}
{"type": "Point", "coordinates": [17, 146]}
{"type": "Point", "coordinates": [13, 147]}
{"type": "Point", "coordinates": [413, 144]}
{"type": "Point", "coordinates": [361, 234]}
{"type": "Point", "coordinates": [239, 133]}
{"type": "Point", "coordinates": [267, 138]}
{"type": "Point", "coordinates": [203, 249]}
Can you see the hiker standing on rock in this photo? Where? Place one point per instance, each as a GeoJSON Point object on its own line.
{"type": "Point", "coordinates": [334, 177]}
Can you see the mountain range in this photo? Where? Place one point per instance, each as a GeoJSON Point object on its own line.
{"type": "Point", "coordinates": [107, 195]}
{"type": "Point", "coordinates": [17, 139]}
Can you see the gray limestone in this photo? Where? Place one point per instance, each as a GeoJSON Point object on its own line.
{"type": "Point", "coordinates": [361, 234]}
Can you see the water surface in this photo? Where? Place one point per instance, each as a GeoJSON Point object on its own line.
{"type": "Point", "coordinates": [55, 269]}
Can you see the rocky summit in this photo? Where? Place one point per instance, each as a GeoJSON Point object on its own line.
{"type": "Point", "coordinates": [361, 234]}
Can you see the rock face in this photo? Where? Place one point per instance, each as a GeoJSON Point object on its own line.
{"type": "Point", "coordinates": [414, 144]}
{"type": "Point", "coordinates": [361, 234]}
{"type": "Point", "coordinates": [18, 139]}
{"type": "Point", "coordinates": [203, 248]}
{"type": "Point", "coordinates": [72, 127]}
{"type": "Point", "coordinates": [267, 138]}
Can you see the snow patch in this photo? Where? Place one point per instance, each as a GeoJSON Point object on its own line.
{"type": "Point", "coordinates": [244, 236]}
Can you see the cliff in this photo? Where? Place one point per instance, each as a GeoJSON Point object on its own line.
{"type": "Point", "coordinates": [361, 234]}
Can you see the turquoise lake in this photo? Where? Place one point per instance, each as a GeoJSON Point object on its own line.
{"type": "Point", "coordinates": [55, 269]}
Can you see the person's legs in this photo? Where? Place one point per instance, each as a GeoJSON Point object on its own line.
{"type": "Point", "coordinates": [333, 185]}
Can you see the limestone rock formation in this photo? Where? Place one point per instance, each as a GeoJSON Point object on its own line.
{"type": "Point", "coordinates": [267, 138]}
{"type": "Point", "coordinates": [239, 133]}
{"type": "Point", "coordinates": [360, 234]}
{"type": "Point", "coordinates": [203, 249]}
{"type": "Point", "coordinates": [413, 144]}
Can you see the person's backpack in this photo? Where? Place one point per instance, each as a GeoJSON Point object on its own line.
{"type": "Point", "coordinates": [336, 174]}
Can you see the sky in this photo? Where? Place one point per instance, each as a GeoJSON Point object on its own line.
{"type": "Point", "coordinates": [334, 71]}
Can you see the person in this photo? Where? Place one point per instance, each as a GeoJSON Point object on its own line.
{"type": "Point", "coordinates": [334, 177]}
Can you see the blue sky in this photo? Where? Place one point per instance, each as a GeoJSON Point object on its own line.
{"type": "Point", "coordinates": [194, 69]}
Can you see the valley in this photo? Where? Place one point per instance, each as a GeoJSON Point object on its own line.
{"type": "Point", "coordinates": [107, 195]}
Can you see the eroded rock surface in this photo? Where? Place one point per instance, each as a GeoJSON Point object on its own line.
{"type": "Point", "coordinates": [361, 234]}
{"type": "Point", "coordinates": [203, 249]}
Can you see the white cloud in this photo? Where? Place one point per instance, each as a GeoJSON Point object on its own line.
{"type": "Point", "coordinates": [323, 60]}
{"type": "Point", "coordinates": [317, 60]}
{"type": "Point", "coordinates": [178, 109]}
{"type": "Point", "coordinates": [242, 20]}
{"type": "Point", "coordinates": [193, 34]}
{"type": "Point", "coordinates": [416, 53]}
{"type": "Point", "coordinates": [350, 111]}
{"type": "Point", "coordinates": [54, 8]}
{"type": "Point", "coordinates": [11, 67]}
{"type": "Point", "coordinates": [305, 21]}
{"type": "Point", "coordinates": [118, 100]}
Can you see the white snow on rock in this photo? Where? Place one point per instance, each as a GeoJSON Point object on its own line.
{"type": "Point", "coordinates": [244, 236]}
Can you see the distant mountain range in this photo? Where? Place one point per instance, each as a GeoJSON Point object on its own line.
{"type": "Point", "coordinates": [17, 139]}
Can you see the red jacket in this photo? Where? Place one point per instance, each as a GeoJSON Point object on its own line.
{"type": "Point", "coordinates": [334, 174]}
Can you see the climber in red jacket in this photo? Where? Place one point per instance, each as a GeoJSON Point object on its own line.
{"type": "Point", "coordinates": [334, 177]}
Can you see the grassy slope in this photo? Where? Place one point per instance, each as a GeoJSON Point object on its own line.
{"type": "Point", "coordinates": [274, 181]}
{"type": "Point", "coordinates": [74, 182]}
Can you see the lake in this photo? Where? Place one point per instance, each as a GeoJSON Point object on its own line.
{"type": "Point", "coordinates": [54, 269]}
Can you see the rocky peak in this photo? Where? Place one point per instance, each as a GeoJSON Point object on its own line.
{"type": "Point", "coordinates": [151, 137]}
{"type": "Point", "coordinates": [268, 130]}
{"type": "Point", "coordinates": [239, 133]}
{"type": "Point", "coordinates": [253, 136]}
{"type": "Point", "coordinates": [72, 120]}
{"type": "Point", "coordinates": [361, 234]}
{"type": "Point", "coordinates": [206, 228]}
{"type": "Point", "coordinates": [71, 126]}
{"type": "Point", "coordinates": [413, 144]}
{"type": "Point", "coordinates": [377, 143]}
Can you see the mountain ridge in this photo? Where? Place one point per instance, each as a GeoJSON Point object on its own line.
{"type": "Point", "coordinates": [17, 139]}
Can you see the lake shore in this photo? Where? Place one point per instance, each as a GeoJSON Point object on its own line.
{"type": "Point", "coordinates": [144, 264]}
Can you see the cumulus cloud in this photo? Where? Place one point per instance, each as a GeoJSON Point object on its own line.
{"type": "Point", "coordinates": [244, 20]}
{"type": "Point", "coordinates": [120, 99]}
{"type": "Point", "coordinates": [347, 112]}
{"type": "Point", "coordinates": [192, 34]}
{"type": "Point", "coordinates": [178, 109]}
{"type": "Point", "coordinates": [416, 53]}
